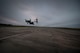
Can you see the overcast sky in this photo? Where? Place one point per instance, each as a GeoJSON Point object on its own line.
{"type": "Point", "coordinates": [51, 13]}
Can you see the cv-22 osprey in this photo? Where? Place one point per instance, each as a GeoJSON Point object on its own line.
{"type": "Point", "coordinates": [31, 22]}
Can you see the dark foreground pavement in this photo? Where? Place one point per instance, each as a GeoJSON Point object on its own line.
{"type": "Point", "coordinates": [39, 40]}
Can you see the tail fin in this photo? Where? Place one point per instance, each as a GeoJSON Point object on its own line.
{"type": "Point", "coordinates": [36, 20]}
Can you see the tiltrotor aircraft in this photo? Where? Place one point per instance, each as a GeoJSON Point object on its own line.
{"type": "Point", "coordinates": [31, 22]}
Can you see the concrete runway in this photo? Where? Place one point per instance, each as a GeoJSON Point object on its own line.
{"type": "Point", "coordinates": [39, 40]}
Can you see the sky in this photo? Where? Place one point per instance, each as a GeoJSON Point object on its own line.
{"type": "Point", "coordinates": [50, 13]}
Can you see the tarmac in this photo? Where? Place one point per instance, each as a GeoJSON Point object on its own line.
{"type": "Point", "coordinates": [39, 40]}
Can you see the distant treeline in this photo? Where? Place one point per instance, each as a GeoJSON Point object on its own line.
{"type": "Point", "coordinates": [5, 24]}
{"type": "Point", "coordinates": [10, 25]}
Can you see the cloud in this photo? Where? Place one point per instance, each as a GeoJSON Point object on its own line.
{"type": "Point", "coordinates": [49, 12]}
{"type": "Point", "coordinates": [9, 21]}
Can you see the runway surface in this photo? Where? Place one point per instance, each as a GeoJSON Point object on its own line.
{"type": "Point", "coordinates": [39, 40]}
